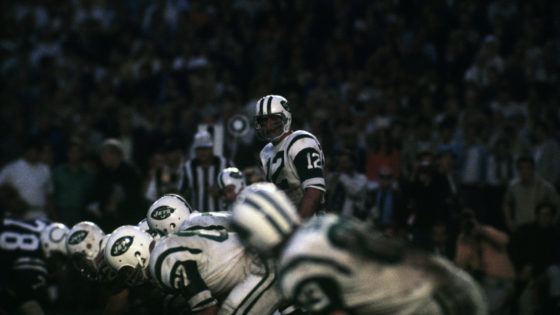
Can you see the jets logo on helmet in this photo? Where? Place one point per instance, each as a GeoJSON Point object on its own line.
{"type": "Point", "coordinates": [121, 245]}
{"type": "Point", "coordinates": [168, 213]}
{"type": "Point", "coordinates": [77, 237]}
{"type": "Point", "coordinates": [83, 244]}
{"type": "Point", "coordinates": [128, 252]}
{"type": "Point", "coordinates": [270, 106]}
{"type": "Point", "coordinates": [162, 213]}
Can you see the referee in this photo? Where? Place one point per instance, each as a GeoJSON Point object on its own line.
{"type": "Point", "coordinates": [199, 183]}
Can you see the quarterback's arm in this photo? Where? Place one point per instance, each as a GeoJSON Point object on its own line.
{"type": "Point", "coordinates": [308, 160]}
{"type": "Point", "coordinates": [310, 202]}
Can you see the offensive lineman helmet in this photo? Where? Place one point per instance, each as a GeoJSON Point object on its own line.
{"type": "Point", "coordinates": [272, 105]}
{"type": "Point", "coordinates": [83, 243]}
{"type": "Point", "coordinates": [106, 273]}
{"type": "Point", "coordinates": [143, 225]}
{"type": "Point", "coordinates": [128, 252]}
{"type": "Point", "coordinates": [53, 239]}
{"type": "Point", "coordinates": [231, 176]}
{"type": "Point", "coordinates": [167, 213]}
{"type": "Point", "coordinates": [264, 216]}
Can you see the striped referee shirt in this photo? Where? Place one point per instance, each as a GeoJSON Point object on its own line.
{"type": "Point", "coordinates": [198, 179]}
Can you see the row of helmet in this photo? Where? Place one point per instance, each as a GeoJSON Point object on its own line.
{"type": "Point", "coordinates": [86, 243]}
{"type": "Point", "coordinates": [263, 213]}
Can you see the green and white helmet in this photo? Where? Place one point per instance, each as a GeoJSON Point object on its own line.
{"type": "Point", "coordinates": [168, 213]}
{"type": "Point", "coordinates": [83, 244]}
{"type": "Point", "coordinates": [84, 238]}
{"type": "Point", "coordinates": [272, 105]}
{"type": "Point", "coordinates": [231, 176]}
{"type": "Point", "coordinates": [128, 252]}
{"type": "Point", "coordinates": [264, 217]}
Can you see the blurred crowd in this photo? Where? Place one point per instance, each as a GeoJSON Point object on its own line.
{"type": "Point", "coordinates": [452, 106]}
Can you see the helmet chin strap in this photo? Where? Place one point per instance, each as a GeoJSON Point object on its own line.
{"type": "Point", "coordinates": [142, 265]}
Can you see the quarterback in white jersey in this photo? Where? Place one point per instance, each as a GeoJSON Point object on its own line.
{"type": "Point", "coordinates": [293, 160]}
{"type": "Point", "coordinates": [333, 265]}
{"type": "Point", "coordinates": [212, 270]}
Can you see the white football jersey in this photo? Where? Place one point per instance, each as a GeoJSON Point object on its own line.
{"type": "Point", "coordinates": [215, 218]}
{"type": "Point", "coordinates": [330, 263]}
{"type": "Point", "coordinates": [209, 266]}
{"type": "Point", "coordinates": [294, 164]}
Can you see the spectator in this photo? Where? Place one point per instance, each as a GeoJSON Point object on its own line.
{"type": "Point", "coordinates": [482, 251]}
{"type": "Point", "coordinates": [32, 180]}
{"type": "Point", "coordinates": [419, 140]}
{"type": "Point", "coordinates": [73, 184]}
{"type": "Point", "coordinates": [546, 151]}
{"type": "Point", "coordinates": [535, 253]}
{"type": "Point", "coordinates": [446, 165]}
{"type": "Point", "coordinates": [199, 182]}
{"type": "Point", "coordinates": [382, 152]}
{"type": "Point", "coordinates": [500, 172]}
{"type": "Point", "coordinates": [473, 166]}
{"type": "Point", "coordinates": [525, 193]}
{"type": "Point", "coordinates": [166, 179]}
{"type": "Point", "coordinates": [385, 204]}
{"type": "Point", "coordinates": [346, 188]}
{"type": "Point", "coordinates": [441, 242]}
{"type": "Point", "coordinates": [425, 194]}
{"type": "Point", "coordinates": [117, 196]}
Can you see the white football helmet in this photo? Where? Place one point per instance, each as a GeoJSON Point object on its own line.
{"type": "Point", "coordinates": [106, 273]}
{"type": "Point", "coordinates": [128, 252]}
{"type": "Point", "coordinates": [83, 244]}
{"type": "Point", "coordinates": [264, 216]}
{"type": "Point", "coordinates": [53, 239]}
{"type": "Point", "coordinates": [231, 176]}
{"type": "Point", "coordinates": [168, 213]}
{"type": "Point", "coordinates": [143, 225]}
{"type": "Point", "coordinates": [272, 105]}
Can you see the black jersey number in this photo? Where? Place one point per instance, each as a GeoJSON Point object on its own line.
{"type": "Point", "coordinates": [274, 168]}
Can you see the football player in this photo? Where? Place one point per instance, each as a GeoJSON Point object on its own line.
{"type": "Point", "coordinates": [86, 243]}
{"type": "Point", "coordinates": [230, 183]}
{"type": "Point", "coordinates": [206, 265]}
{"type": "Point", "coordinates": [29, 248]}
{"type": "Point", "coordinates": [84, 246]}
{"type": "Point", "coordinates": [332, 265]}
{"type": "Point", "coordinates": [172, 213]}
{"type": "Point", "coordinates": [293, 160]}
